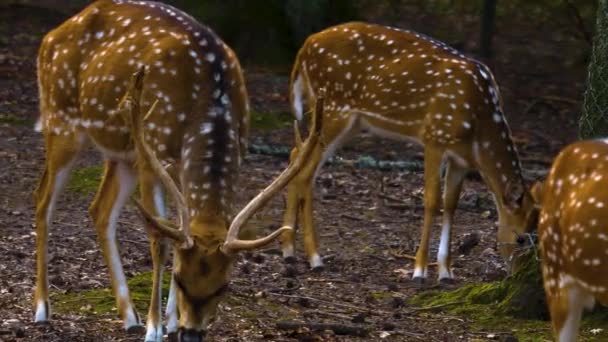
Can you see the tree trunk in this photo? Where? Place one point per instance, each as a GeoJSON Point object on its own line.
{"type": "Point", "coordinates": [594, 119]}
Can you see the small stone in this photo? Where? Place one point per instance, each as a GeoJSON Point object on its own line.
{"type": "Point", "coordinates": [359, 318]}
{"type": "Point", "coordinates": [258, 258]}
{"type": "Point", "coordinates": [290, 271]}
{"type": "Point", "coordinates": [508, 338]}
{"type": "Point", "coordinates": [388, 326]}
{"type": "Point", "coordinates": [397, 302]}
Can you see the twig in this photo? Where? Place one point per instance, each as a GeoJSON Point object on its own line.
{"type": "Point", "coordinates": [409, 257]}
{"type": "Point", "coordinates": [547, 99]}
{"type": "Point", "coordinates": [313, 280]}
{"type": "Point", "coordinates": [391, 198]}
{"type": "Point", "coordinates": [326, 313]}
{"type": "Point", "coordinates": [418, 336]}
{"type": "Point", "coordinates": [339, 329]}
{"type": "Point", "coordinates": [82, 299]}
{"type": "Point", "coordinates": [348, 216]}
{"type": "Point", "coordinates": [140, 242]}
{"type": "Point", "coordinates": [356, 308]}
{"type": "Point", "coordinates": [431, 308]}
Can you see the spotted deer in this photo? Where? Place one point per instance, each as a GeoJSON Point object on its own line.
{"type": "Point", "coordinates": [573, 234]}
{"type": "Point", "coordinates": [191, 144]}
{"type": "Point", "coordinates": [403, 85]}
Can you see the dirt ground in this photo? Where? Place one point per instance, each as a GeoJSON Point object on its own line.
{"type": "Point", "coordinates": [365, 282]}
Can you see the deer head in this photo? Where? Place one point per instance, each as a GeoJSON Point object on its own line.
{"type": "Point", "coordinates": [205, 249]}
{"type": "Point", "coordinates": [518, 219]}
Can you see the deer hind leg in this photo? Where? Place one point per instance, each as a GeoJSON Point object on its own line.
{"type": "Point", "coordinates": [453, 185]}
{"type": "Point", "coordinates": [61, 151]}
{"type": "Point", "coordinates": [566, 311]}
{"type": "Point", "coordinates": [432, 164]}
{"type": "Point", "coordinates": [153, 199]}
{"type": "Point", "coordinates": [300, 190]}
{"type": "Point", "coordinates": [116, 186]}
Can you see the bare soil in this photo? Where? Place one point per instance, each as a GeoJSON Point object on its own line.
{"type": "Point", "coordinates": [366, 282]}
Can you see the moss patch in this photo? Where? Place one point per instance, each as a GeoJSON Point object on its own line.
{"type": "Point", "coordinates": [270, 121]}
{"type": "Point", "coordinates": [102, 301]}
{"type": "Point", "coordinates": [14, 120]}
{"type": "Point", "coordinates": [516, 304]}
{"type": "Point", "coordinates": [85, 180]}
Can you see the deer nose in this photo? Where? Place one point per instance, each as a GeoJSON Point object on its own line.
{"type": "Point", "coordinates": [191, 335]}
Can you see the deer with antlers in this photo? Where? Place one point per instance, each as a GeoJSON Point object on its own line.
{"type": "Point", "coordinates": [190, 143]}
{"type": "Point", "coordinates": [403, 85]}
{"type": "Point", "coordinates": [573, 235]}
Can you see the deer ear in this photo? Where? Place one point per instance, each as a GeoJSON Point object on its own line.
{"type": "Point", "coordinates": [537, 193]}
{"type": "Point", "coordinates": [514, 195]}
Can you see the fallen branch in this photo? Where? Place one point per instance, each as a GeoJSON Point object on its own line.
{"type": "Point", "coordinates": [352, 307]}
{"type": "Point", "coordinates": [338, 329]}
{"type": "Point", "coordinates": [409, 257]}
{"type": "Point", "coordinates": [434, 307]}
{"type": "Point", "coordinates": [355, 218]}
{"type": "Point", "coordinates": [315, 280]}
{"type": "Point", "coordinates": [326, 313]}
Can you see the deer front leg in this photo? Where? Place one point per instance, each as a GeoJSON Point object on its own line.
{"type": "Point", "coordinates": [290, 217]}
{"type": "Point", "coordinates": [61, 152]}
{"type": "Point", "coordinates": [116, 186]}
{"type": "Point", "coordinates": [153, 199]}
{"type": "Point", "coordinates": [303, 188]}
{"type": "Point", "coordinates": [453, 185]}
{"type": "Point", "coordinates": [171, 313]}
{"type": "Point", "coordinates": [432, 162]}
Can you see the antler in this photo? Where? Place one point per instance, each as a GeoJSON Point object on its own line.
{"type": "Point", "coordinates": [136, 122]}
{"type": "Point", "coordinates": [233, 244]}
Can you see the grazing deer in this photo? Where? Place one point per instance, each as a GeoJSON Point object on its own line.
{"type": "Point", "coordinates": [191, 144]}
{"type": "Point", "coordinates": [573, 234]}
{"type": "Point", "coordinates": [402, 85]}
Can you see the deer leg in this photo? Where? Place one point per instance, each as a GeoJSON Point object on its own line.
{"type": "Point", "coordinates": [171, 313]}
{"type": "Point", "coordinates": [299, 207]}
{"type": "Point", "coordinates": [300, 190]}
{"type": "Point", "coordinates": [61, 152]}
{"type": "Point", "coordinates": [432, 163]}
{"type": "Point", "coordinates": [566, 311]}
{"type": "Point", "coordinates": [153, 199]}
{"type": "Point", "coordinates": [305, 207]}
{"type": "Point", "coordinates": [290, 217]}
{"type": "Point", "coordinates": [116, 186]}
{"type": "Point", "coordinates": [452, 187]}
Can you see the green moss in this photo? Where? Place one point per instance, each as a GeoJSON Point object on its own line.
{"type": "Point", "coordinates": [270, 121]}
{"type": "Point", "coordinates": [14, 120]}
{"type": "Point", "coordinates": [517, 303]}
{"type": "Point", "coordinates": [102, 301]}
{"type": "Point", "coordinates": [85, 180]}
{"type": "Point", "coordinates": [381, 295]}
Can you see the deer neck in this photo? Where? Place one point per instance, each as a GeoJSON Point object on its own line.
{"type": "Point", "coordinates": [497, 161]}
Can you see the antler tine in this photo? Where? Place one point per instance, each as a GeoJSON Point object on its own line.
{"type": "Point", "coordinates": [233, 244]}
{"type": "Point", "coordinates": [136, 123]}
{"type": "Point", "coordinates": [165, 227]}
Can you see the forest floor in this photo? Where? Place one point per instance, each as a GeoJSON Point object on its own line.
{"type": "Point", "coordinates": [363, 233]}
